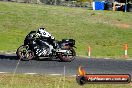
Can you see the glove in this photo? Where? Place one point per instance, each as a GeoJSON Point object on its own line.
{"type": "Point", "coordinates": [37, 35]}
{"type": "Point", "coordinates": [52, 38]}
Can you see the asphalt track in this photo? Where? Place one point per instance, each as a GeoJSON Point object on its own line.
{"type": "Point", "coordinates": [9, 62]}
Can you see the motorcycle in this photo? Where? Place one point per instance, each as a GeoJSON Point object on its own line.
{"type": "Point", "coordinates": [64, 50]}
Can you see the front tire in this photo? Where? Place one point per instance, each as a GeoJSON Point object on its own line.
{"type": "Point", "coordinates": [24, 54]}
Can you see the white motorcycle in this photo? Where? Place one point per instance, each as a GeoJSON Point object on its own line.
{"type": "Point", "coordinates": [64, 49]}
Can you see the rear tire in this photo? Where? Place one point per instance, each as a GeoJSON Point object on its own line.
{"type": "Point", "coordinates": [68, 57]}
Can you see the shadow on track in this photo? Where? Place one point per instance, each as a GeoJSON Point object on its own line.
{"type": "Point", "coordinates": [14, 57]}
{"type": "Point", "coordinates": [49, 60]}
{"type": "Point", "coordinates": [8, 56]}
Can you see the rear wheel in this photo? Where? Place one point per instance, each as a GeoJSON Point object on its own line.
{"type": "Point", "coordinates": [68, 56]}
{"type": "Point", "coordinates": [24, 54]}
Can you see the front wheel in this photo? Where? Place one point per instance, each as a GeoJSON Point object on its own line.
{"type": "Point", "coordinates": [68, 56]}
{"type": "Point", "coordinates": [24, 54]}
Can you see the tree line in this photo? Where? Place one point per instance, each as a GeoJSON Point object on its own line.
{"type": "Point", "coordinates": [72, 3]}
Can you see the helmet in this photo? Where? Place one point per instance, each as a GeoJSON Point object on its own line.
{"type": "Point", "coordinates": [41, 30]}
{"type": "Point", "coordinates": [43, 33]}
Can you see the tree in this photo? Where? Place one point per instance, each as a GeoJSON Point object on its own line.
{"type": "Point", "coordinates": [38, 1]}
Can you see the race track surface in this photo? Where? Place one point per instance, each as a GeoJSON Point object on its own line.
{"type": "Point", "coordinates": [8, 63]}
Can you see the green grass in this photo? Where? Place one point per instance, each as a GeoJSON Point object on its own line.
{"type": "Point", "coordinates": [43, 81]}
{"type": "Point", "coordinates": [104, 31]}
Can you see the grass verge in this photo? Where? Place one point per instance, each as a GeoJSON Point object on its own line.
{"type": "Point", "coordinates": [104, 31]}
{"type": "Point", "coordinates": [44, 81]}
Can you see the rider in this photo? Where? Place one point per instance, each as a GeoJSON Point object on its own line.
{"type": "Point", "coordinates": [44, 35]}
